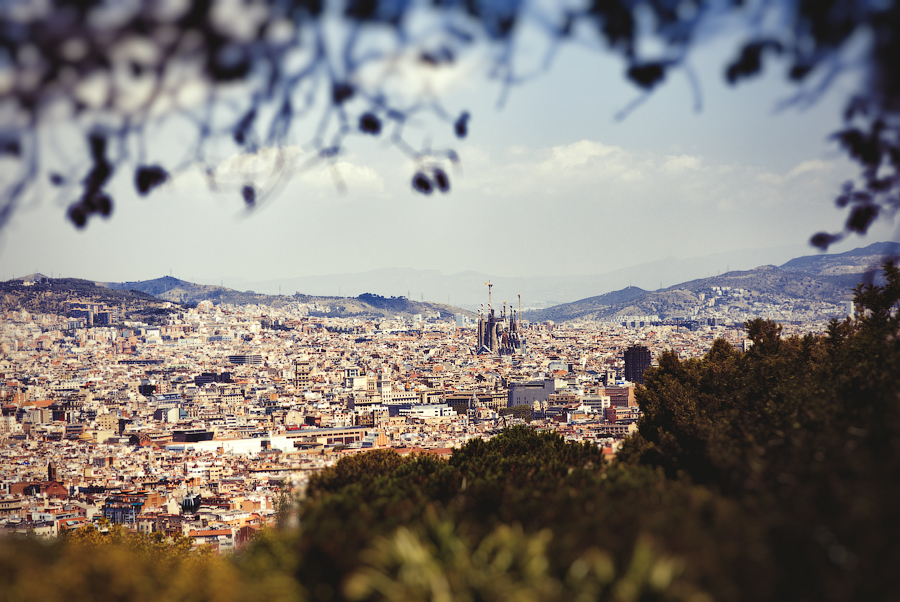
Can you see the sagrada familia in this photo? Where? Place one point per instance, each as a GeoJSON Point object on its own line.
{"type": "Point", "coordinates": [504, 335]}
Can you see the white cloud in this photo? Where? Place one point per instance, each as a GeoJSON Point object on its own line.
{"type": "Point", "coordinates": [344, 173]}
{"type": "Point", "coordinates": [262, 164]}
{"type": "Point", "coordinates": [402, 75]}
{"type": "Point", "coordinates": [770, 178]}
{"type": "Point", "coordinates": [580, 153]}
{"type": "Point", "coordinates": [681, 163]}
{"type": "Point", "coordinates": [809, 166]}
{"type": "Point", "coordinates": [587, 170]}
{"type": "Point", "coordinates": [290, 165]}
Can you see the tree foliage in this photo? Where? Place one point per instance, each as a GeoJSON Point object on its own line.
{"type": "Point", "coordinates": [525, 413]}
{"type": "Point", "coordinates": [507, 565]}
{"type": "Point", "coordinates": [560, 493]}
{"type": "Point", "coordinates": [804, 430]}
{"type": "Point", "coordinates": [90, 565]}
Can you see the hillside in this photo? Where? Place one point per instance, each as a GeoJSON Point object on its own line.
{"type": "Point", "coordinates": [857, 261]}
{"type": "Point", "coordinates": [39, 294]}
{"type": "Point", "coordinates": [368, 305]}
{"type": "Point", "coordinates": [763, 285]}
{"type": "Point", "coordinates": [803, 283]}
{"type": "Point", "coordinates": [364, 306]}
{"type": "Point", "coordinates": [766, 284]}
{"type": "Point", "coordinates": [586, 307]}
{"type": "Point", "coordinates": [173, 289]}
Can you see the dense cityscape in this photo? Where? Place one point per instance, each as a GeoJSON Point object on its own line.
{"type": "Point", "coordinates": [197, 425]}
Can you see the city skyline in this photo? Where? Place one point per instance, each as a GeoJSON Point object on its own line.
{"type": "Point", "coordinates": [466, 289]}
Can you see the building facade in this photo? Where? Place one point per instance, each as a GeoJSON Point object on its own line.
{"type": "Point", "coordinates": [637, 360]}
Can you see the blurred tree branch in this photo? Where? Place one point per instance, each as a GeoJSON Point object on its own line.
{"type": "Point", "coordinates": [242, 73]}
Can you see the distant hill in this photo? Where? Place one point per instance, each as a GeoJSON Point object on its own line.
{"type": "Point", "coordinates": [830, 278]}
{"type": "Point", "coordinates": [39, 294]}
{"type": "Point", "coordinates": [766, 283]}
{"type": "Point", "coordinates": [586, 307]}
{"type": "Point", "coordinates": [857, 261]}
{"type": "Point", "coordinates": [366, 305]}
{"type": "Point", "coordinates": [467, 288]}
{"type": "Point", "coordinates": [173, 289]}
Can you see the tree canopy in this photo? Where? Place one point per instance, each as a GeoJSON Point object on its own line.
{"type": "Point", "coordinates": [243, 73]}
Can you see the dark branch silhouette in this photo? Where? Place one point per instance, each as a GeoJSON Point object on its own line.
{"type": "Point", "coordinates": [116, 68]}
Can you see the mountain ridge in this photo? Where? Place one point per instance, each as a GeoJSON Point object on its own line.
{"type": "Point", "coordinates": [810, 279]}
{"type": "Point", "coordinates": [39, 294]}
{"type": "Point", "coordinates": [466, 288]}
{"type": "Point", "coordinates": [827, 279]}
{"type": "Point", "coordinates": [367, 305]}
{"type": "Point", "coordinates": [859, 260]}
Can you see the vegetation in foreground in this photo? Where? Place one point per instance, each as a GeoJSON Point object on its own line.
{"type": "Point", "coordinates": [765, 475]}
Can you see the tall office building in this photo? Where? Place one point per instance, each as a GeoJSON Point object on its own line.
{"type": "Point", "coordinates": [637, 360]}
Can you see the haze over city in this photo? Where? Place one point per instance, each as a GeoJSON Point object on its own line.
{"type": "Point", "coordinates": [550, 184]}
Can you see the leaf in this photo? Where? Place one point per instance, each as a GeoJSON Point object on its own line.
{"type": "Point", "coordinates": [146, 178]}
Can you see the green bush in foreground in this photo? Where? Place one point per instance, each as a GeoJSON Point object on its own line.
{"type": "Point", "coordinates": [89, 566]}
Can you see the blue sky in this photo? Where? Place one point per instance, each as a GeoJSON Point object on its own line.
{"type": "Point", "coordinates": [551, 183]}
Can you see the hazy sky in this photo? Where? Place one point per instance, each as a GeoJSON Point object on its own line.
{"type": "Point", "coordinates": [551, 183]}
